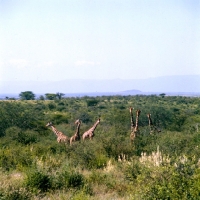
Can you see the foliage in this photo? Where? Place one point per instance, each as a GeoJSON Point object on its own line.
{"type": "Point", "coordinates": [59, 118]}
{"type": "Point", "coordinates": [173, 182]}
{"type": "Point", "coordinates": [27, 95]}
{"type": "Point", "coordinates": [38, 180]}
{"type": "Point", "coordinates": [162, 95]}
{"type": "Point", "coordinates": [92, 102]}
{"type": "Point", "coordinates": [23, 137]}
{"type": "Point", "coordinates": [14, 158]}
{"type": "Point", "coordinates": [41, 97]}
{"type": "Point", "coordinates": [75, 180]}
{"type": "Point", "coordinates": [59, 95]}
{"type": "Point", "coordinates": [50, 96]}
{"type": "Point", "coordinates": [19, 115]}
{"type": "Point", "coordinates": [12, 193]}
{"type": "Point", "coordinates": [108, 166]}
{"type": "Point", "coordinates": [51, 106]}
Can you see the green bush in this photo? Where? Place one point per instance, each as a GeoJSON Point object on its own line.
{"type": "Point", "coordinates": [23, 137]}
{"type": "Point", "coordinates": [68, 178]}
{"type": "Point", "coordinates": [177, 181]}
{"type": "Point", "coordinates": [61, 179]}
{"type": "Point", "coordinates": [60, 108]}
{"type": "Point", "coordinates": [12, 132]}
{"type": "Point", "coordinates": [38, 180]}
{"type": "Point", "coordinates": [90, 156]}
{"type": "Point", "coordinates": [12, 193]}
{"type": "Point", "coordinates": [51, 106]}
{"type": "Point", "coordinates": [59, 118]}
{"type": "Point", "coordinates": [76, 180]}
{"type": "Point", "coordinates": [85, 117]}
{"type": "Point", "coordinates": [14, 158]}
{"type": "Point", "coordinates": [99, 161]}
{"type": "Point", "coordinates": [92, 102]}
{"type": "Point", "coordinates": [133, 170]}
{"type": "Point", "coordinates": [27, 137]}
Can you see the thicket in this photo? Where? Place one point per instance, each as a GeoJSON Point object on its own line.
{"type": "Point", "coordinates": [162, 165]}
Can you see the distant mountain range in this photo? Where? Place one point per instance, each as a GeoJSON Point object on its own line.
{"type": "Point", "coordinates": [166, 84]}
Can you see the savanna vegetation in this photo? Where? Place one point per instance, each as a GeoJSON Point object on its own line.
{"type": "Point", "coordinates": [164, 165]}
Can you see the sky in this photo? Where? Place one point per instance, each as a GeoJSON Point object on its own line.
{"type": "Point", "coordinates": [52, 40]}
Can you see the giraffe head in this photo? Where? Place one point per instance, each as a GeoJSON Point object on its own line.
{"type": "Point", "coordinates": [148, 115]}
{"type": "Point", "coordinates": [138, 112]}
{"type": "Point", "coordinates": [49, 124]}
{"type": "Point", "coordinates": [78, 121]}
{"type": "Point", "coordinates": [131, 109]}
{"type": "Point", "coordinates": [99, 118]}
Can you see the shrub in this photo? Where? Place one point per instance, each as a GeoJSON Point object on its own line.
{"type": "Point", "coordinates": [85, 117]}
{"type": "Point", "coordinates": [38, 180]}
{"type": "Point", "coordinates": [76, 180]}
{"type": "Point", "coordinates": [59, 118]}
{"type": "Point", "coordinates": [172, 182]}
{"type": "Point", "coordinates": [68, 179]}
{"type": "Point", "coordinates": [61, 108]}
{"type": "Point", "coordinates": [60, 179]}
{"type": "Point", "coordinates": [99, 161]}
{"type": "Point", "coordinates": [92, 102]}
{"type": "Point", "coordinates": [40, 107]}
{"type": "Point", "coordinates": [12, 193]}
{"type": "Point", "coordinates": [12, 132]}
{"type": "Point", "coordinates": [89, 156]}
{"type": "Point", "coordinates": [23, 137]}
{"type": "Point", "coordinates": [51, 106]}
{"type": "Point", "coordinates": [27, 137]}
{"type": "Point", "coordinates": [80, 196]}
{"type": "Point", "coordinates": [133, 170]}
{"type": "Point", "coordinates": [14, 158]}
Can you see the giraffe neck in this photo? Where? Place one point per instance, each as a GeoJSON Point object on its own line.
{"type": "Point", "coordinates": [95, 125]}
{"type": "Point", "coordinates": [150, 120]}
{"type": "Point", "coordinates": [132, 121]}
{"type": "Point", "coordinates": [55, 130]}
{"type": "Point", "coordinates": [151, 125]}
{"type": "Point", "coordinates": [137, 119]}
{"type": "Point", "coordinates": [78, 129]}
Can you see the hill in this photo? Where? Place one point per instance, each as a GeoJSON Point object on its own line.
{"type": "Point", "coordinates": [167, 84]}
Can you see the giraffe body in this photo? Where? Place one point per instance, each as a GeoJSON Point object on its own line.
{"type": "Point", "coordinates": [61, 137]}
{"type": "Point", "coordinates": [90, 133]}
{"type": "Point", "coordinates": [76, 136]}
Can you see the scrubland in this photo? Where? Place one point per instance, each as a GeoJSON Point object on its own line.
{"type": "Point", "coordinates": [161, 165]}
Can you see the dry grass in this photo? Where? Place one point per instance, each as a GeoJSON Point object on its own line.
{"type": "Point", "coordinates": [155, 158]}
{"type": "Point", "coordinates": [15, 178]}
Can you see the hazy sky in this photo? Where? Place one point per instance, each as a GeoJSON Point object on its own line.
{"type": "Point", "coordinates": [98, 39]}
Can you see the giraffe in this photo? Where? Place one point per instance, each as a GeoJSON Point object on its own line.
{"type": "Point", "coordinates": [134, 127]}
{"type": "Point", "coordinates": [151, 126]}
{"type": "Point", "coordinates": [60, 136]}
{"type": "Point", "coordinates": [76, 136]}
{"type": "Point", "coordinates": [132, 136]}
{"type": "Point", "coordinates": [90, 133]}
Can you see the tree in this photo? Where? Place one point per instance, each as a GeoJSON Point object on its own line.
{"type": "Point", "coordinates": [162, 95]}
{"type": "Point", "coordinates": [41, 97]}
{"type": "Point", "coordinates": [59, 95]}
{"type": "Point", "coordinates": [27, 95]}
{"type": "Point", "coordinates": [50, 96]}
